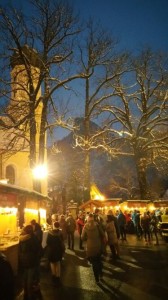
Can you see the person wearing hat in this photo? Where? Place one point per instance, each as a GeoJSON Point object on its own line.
{"type": "Point", "coordinates": [93, 234]}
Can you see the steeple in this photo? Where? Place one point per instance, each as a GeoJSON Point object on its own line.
{"type": "Point", "coordinates": [26, 55]}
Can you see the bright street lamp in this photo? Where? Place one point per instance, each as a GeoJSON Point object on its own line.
{"type": "Point", "coordinates": [40, 172]}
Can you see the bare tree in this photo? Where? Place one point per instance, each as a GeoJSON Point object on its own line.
{"type": "Point", "coordinates": [42, 47]}
{"type": "Point", "coordinates": [140, 114]}
{"type": "Point", "coordinates": [97, 52]}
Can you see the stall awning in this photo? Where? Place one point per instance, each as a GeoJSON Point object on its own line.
{"type": "Point", "coordinates": [100, 203]}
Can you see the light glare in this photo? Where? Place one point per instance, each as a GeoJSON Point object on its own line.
{"type": "Point", "coordinates": [40, 172]}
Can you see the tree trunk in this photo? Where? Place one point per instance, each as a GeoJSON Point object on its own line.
{"type": "Point", "coordinates": [142, 179]}
{"type": "Point", "coordinates": [87, 176]}
{"type": "Point", "coordinates": [87, 152]}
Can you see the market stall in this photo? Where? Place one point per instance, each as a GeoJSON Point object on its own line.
{"type": "Point", "coordinates": [18, 207]}
{"type": "Point", "coordinates": [9, 246]}
{"type": "Point", "coordinates": [9, 229]}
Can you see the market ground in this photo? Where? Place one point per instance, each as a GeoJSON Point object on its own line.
{"type": "Point", "coordinates": [140, 274]}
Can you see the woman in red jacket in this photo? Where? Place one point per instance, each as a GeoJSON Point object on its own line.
{"type": "Point", "coordinates": [80, 223]}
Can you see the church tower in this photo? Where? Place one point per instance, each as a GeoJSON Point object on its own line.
{"type": "Point", "coordinates": [24, 79]}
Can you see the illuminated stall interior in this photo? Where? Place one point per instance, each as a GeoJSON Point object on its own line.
{"type": "Point", "coordinates": [19, 206]}
{"type": "Point", "coordinates": [8, 219]}
{"type": "Point", "coordinates": [8, 213]}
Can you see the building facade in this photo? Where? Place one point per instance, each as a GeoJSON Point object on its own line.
{"type": "Point", "coordinates": [15, 165]}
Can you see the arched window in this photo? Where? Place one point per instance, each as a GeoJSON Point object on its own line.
{"type": "Point", "coordinates": [10, 174]}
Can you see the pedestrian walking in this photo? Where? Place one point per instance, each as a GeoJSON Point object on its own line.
{"type": "Point", "coordinates": [80, 224]}
{"type": "Point", "coordinates": [37, 230]}
{"type": "Point", "coordinates": [99, 218]}
{"type": "Point", "coordinates": [55, 249]}
{"type": "Point", "coordinates": [138, 228]}
{"type": "Point", "coordinates": [29, 253]}
{"type": "Point", "coordinates": [133, 217]}
{"type": "Point", "coordinates": [63, 226]}
{"type": "Point", "coordinates": [145, 224]}
{"type": "Point", "coordinates": [112, 238]}
{"type": "Point", "coordinates": [122, 225]}
{"type": "Point", "coordinates": [93, 234]}
{"type": "Point", "coordinates": [153, 227]}
{"type": "Point", "coordinates": [71, 227]}
{"type": "Point", "coordinates": [114, 218]}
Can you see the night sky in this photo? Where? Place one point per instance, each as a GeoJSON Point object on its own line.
{"type": "Point", "coordinates": [136, 23]}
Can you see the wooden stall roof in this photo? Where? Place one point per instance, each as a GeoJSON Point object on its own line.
{"type": "Point", "coordinates": [145, 203]}
{"type": "Point", "coordinates": [161, 203]}
{"type": "Point", "coordinates": [137, 203]}
{"type": "Point", "coordinates": [117, 201]}
{"type": "Point", "coordinates": [15, 190]}
{"type": "Point", "coordinates": [100, 203]}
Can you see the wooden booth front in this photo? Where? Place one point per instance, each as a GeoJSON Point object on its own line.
{"type": "Point", "coordinates": [128, 205]}
{"type": "Point", "coordinates": [18, 207]}
{"type": "Point", "coordinates": [103, 205]}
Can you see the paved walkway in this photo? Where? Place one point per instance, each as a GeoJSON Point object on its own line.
{"type": "Point", "coordinates": [78, 280]}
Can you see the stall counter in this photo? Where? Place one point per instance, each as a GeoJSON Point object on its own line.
{"type": "Point", "coordinates": [10, 250]}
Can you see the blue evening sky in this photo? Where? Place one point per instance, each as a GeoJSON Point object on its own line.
{"type": "Point", "coordinates": [136, 23]}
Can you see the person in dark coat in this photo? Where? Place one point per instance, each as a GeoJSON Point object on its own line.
{"type": "Point", "coordinates": [37, 230]}
{"type": "Point", "coordinates": [63, 226]}
{"type": "Point", "coordinates": [153, 227]}
{"type": "Point", "coordinates": [122, 225]}
{"type": "Point", "coordinates": [7, 290]}
{"type": "Point", "coordinates": [29, 253]}
{"type": "Point", "coordinates": [145, 223]}
{"type": "Point", "coordinates": [56, 249]}
{"type": "Point", "coordinates": [71, 227]}
{"type": "Point", "coordinates": [93, 234]}
{"type": "Point", "coordinates": [137, 224]}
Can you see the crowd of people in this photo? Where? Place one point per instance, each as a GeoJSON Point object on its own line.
{"type": "Point", "coordinates": [95, 231]}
